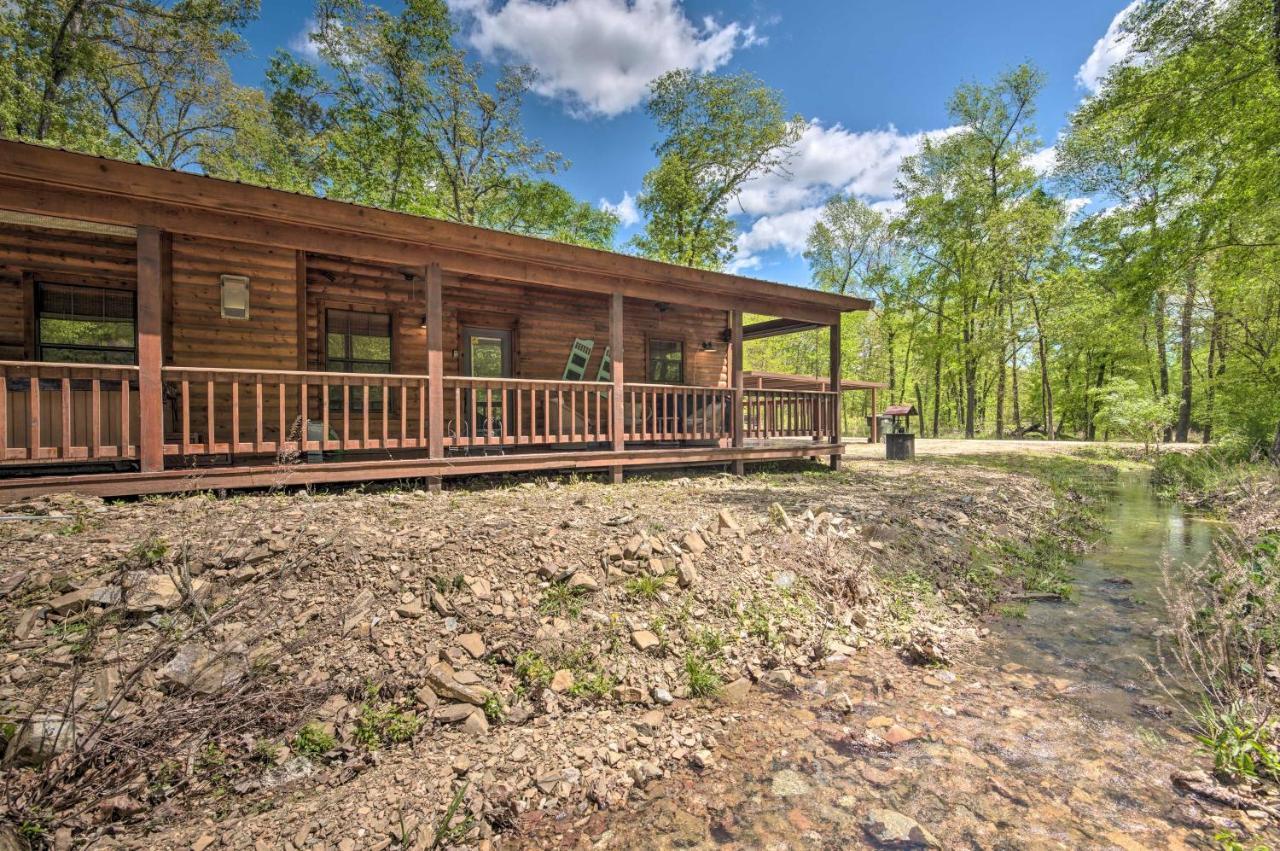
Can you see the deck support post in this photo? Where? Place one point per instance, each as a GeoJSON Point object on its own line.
{"type": "Point", "coordinates": [300, 285]}
{"type": "Point", "coordinates": [735, 377]}
{"type": "Point", "coordinates": [875, 420]}
{"type": "Point", "coordinates": [152, 287]}
{"type": "Point", "coordinates": [435, 367]}
{"type": "Point", "coordinates": [837, 400]}
{"type": "Point", "coordinates": [617, 360]}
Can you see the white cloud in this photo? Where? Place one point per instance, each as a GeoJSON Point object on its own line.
{"type": "Point", "coordinates": [599, 56]}
{"type": "Point", "coordinates": [1075, 205]}
{"type": "Point", "coordinates": [787, 231]}
{"type": "Point", "coordinates": [1114, 48]}
{"type": "Point", "coordinates": [301, 42]}
{"type": "Point", "coordinates": [626, 211]}
{"type": "Point", "coordinates": [781, 208]}
{"type": "Point", "coordinates": [1044, 160]}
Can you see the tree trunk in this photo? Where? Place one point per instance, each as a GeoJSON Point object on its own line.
{"type": "Point", "coordinates": [1046, 389]}
{"type": "Point", "coordinates": [1162, 354]}
{"type": "Point", "coordinates": [1275, 447]}
{"type": "Point", "coordinates": [1000, 379]}
{"type": "Point", "coordinates": [1013, 365]}
{"type": "Point", "coordinates": [937, 368]}
{"type": "Point", "coordinates": [1211, 384]}
{"type": "Point", "coordinates": [889, 335]}
{"type": "Point", "coordinates": [970, 377]}
{"type": "Point", "coordinates": [1188, 313]}
{"type": "Point", "coordinates": [920, 405]}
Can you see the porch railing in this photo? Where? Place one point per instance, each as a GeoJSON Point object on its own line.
{"type": "Point", "coordinates": [240, 411]}
{"type": "Point", "coordinates": [63, 411]}
{"type": "Point", "coordinates": [656, 412]}
{"type": "Point", "coordinates": [91, 412]}
{"type": "Point", "coordinates": [521, 412]}
{"type": "Point", "coordinates": [787, 413]}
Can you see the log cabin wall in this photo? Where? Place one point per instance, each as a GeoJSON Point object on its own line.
{"type": "Point", "coordinates": [30, 255]}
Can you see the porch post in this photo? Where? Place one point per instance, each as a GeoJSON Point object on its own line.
{"type": "Point", "coordinates": [151, 296]}
{"type": "Point", "coordinates": [875, 420]}
{"type": "Point", "coordinates": [435, 368]}
{"type": "Point", "coordinates": [617, 359]}
{"type": "Point", "coordinates": [837, 385]}
{"type": "Point", "coordinates": [735, 376]}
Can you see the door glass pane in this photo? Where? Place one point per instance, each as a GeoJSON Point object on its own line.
{"type": "Point", "coordinates": [486, 357]}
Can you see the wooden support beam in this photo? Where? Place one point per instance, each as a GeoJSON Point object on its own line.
{"type": "Point", "coordinates": [735, 380]}
{"type": "Point", "coordinates": [875, 420]}
{"type": "Point", "coordinates": [29, 316]}
{"type": "Point", "coordinates": [617, 359]}
{"type": "Point", "coordinates": [837, 399]}
{"type": "Point", "coordinates": [151, 290]}
{"type": "Point", "coordinates": [435, 365]}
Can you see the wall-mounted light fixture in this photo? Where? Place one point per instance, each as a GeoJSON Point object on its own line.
{"type": "Point", "coordinates": [708, 346]}
{"type": "Point", "coordinates": [235, 297]}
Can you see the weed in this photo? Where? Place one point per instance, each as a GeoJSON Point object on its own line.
{"type": "Point", "coordinates": [448, 833]}
{"type": "Point", "coordinates": [593, 685]}
{"type": "Point", "coordinates": [645, 587]}
{"type": "Point", "coordinates": [1242, 747]}
{"type": "Point", "coordinates": [149, 552]}
{"type": "Point", "coordinates": [385, 724]}
{"type": "Point", "coordinates": [493, 709]}
{"type": "Point", "coordinates": [1014, 611]}
{"type": "Point", "coordinates": [313, 741]}
{"type": "Point", "coordinates": [709, 642]}
{"type": "Point", "coordinates": [533, 670]}
{"type": "Point", "coordinates": [562, 599]}
{"type": "Point", "coordinates": [701, 677]}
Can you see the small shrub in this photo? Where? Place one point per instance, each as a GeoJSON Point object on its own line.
{"type": "Point", "coordinates": [533, 670]}
{"type": "Point", "coordinates": [493, 709]}
{"type": "Point", "coordinates": [312, 741]}
{"type": "Point", "coordinates": [709, 642]}
{"type": "Point", "coordinates": [149, 552]}
{"type": "Point", "coordinates": [1242, 747]}
{"type": "Point", "coordinates": [385, 724]}
{"type": "Point", "coordinates": [702, 679]}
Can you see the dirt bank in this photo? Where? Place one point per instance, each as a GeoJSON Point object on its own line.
{"type": "Point", "coordinates": [399, 669]}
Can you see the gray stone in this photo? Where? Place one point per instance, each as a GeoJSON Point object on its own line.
{"type": "Point", "coordinates": [205, 671]}
{"type": "Point", "coordinates": [39, 739]}
{"type": "Point", "coordinates": [788, 784]}
{"type": "Point", "coordinates": [895, 830]}
{"type": "Point", "coordinates": [441, 681]}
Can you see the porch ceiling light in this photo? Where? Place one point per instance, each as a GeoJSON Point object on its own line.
{"type": "Point", "coordinates": [235, 297]}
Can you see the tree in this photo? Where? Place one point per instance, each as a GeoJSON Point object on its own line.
{"type": "Point", "coordinates": [720, 131]}
{"type": "Point", "coordinates": [142, 78]}
{"type": "Point", "coordinates": [1125, 409]}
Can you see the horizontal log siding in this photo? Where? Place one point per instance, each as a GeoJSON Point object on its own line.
{"type": "Point", "coordinates": [268, 339]}
{"type": "Point", "coordinates": [55, 256]}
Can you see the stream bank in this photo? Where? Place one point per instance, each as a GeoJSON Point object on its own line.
{"type": "Point", "coordinates": [1053, 735]}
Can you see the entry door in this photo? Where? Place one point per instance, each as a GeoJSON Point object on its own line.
{"type": "Point", "coordinates": [486, 353]}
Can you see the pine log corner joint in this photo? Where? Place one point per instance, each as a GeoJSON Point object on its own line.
{"type": "Point", "coordinates": [378, 345]}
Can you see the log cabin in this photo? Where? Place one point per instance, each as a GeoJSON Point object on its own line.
{"type": "Point", "coordinates": [163, 331]}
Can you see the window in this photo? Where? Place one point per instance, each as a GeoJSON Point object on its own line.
{"type": "Point", "coordinates": [357, 342]}
{"type": "Point", "coordinates": [85, 325]}
{"type": "Point", "coordinates": [666, 361]}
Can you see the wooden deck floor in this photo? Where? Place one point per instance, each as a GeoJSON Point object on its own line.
{"type": "Point", "coordinates": [275, 475]}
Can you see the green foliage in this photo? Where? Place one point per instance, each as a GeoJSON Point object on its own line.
{"type": "Point", "coordinates": [533, 670]}
{"type": "Point", "coordinates": [720, 130]}
{"type": "Point", "coordinates": [562, 599]}
{"type": "Point", "coordinates": [594, 685]}
{"type": "Point", "coordinates": [313, 742]}
{"type": "Point", "coordinates": [493, 709]}
{"type": "Point", "coordinates": [701, 677]}
{"type": "Point", "coordinates": [645, 587]}
{"type": "Point", "coordinates": [1243, 747]}
{"type": "Point", "coordinates": [385, 723]}
{"type": "Point", "coordinates": [149, 552]}
{"type": "Point", "coordinates": [1127, 410]}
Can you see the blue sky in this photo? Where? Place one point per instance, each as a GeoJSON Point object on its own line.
{"type": "Point", "coordinates": [871, 76]}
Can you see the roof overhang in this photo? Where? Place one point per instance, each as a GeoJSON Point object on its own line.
{"type": "Point", "coordinates": [45, 181]}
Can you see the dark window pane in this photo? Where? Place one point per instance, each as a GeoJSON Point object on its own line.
{"type": "Point", "coordinates": [666, 361]}
{"type": "Point", "coordinates": [357, 342]}
{"type": "Point", "coordinates": [86, 324]}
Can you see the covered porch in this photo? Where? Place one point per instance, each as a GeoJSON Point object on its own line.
{"type": "Point", "coordinates": [261, 338]}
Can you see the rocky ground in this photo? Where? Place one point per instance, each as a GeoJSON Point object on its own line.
{"type": "Point", "coordinates": [397, 669]}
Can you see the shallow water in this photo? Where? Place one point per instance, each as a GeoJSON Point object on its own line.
{"type": "Point", "coordinates": [1106, 635]}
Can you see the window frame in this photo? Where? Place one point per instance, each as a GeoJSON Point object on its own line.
{"type": "Point", "coordinates": [650, 362]}
{"type": "Point", "coordinates": [40, 287]}
{"type": "Point", "coordinates": [375, 399]}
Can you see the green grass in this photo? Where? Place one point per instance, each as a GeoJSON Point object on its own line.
{"type": "Point", "coordinates": [385, 724]}
{"type": "Point", "coordinates": [645, 587]}
{"type": "Point", "coordinates": [701, 677]}
{"type": "Point", "coordinates": [563, 600]}
{"type": "Point", "coordinates": [594, 685]}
